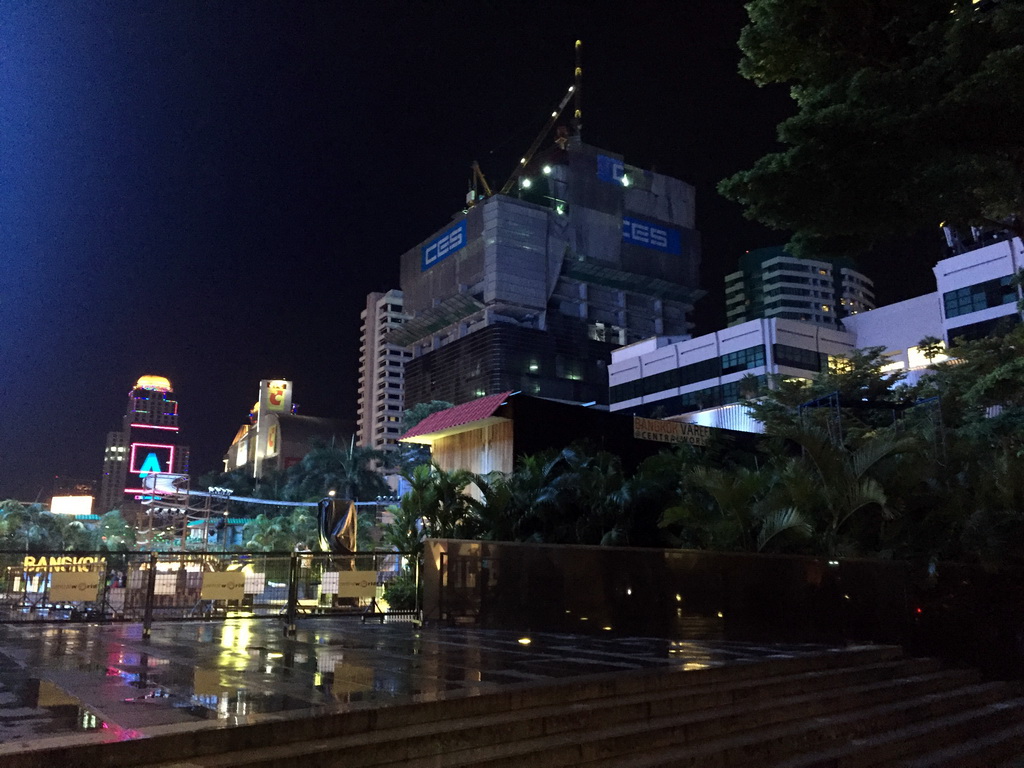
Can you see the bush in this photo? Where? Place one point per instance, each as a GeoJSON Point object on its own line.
{"type": "Point", "coordinates": [401, 594]}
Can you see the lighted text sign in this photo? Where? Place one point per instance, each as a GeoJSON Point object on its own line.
{"type": "Point", "coordinates": [649, 235]}
{"type": "Point", "coordinates": [61, 563]}
{"type": "Point", "coordinates": [443, 246]}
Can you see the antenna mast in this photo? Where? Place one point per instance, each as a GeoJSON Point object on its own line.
{"type": "Point", "coordinates": [577, 118]}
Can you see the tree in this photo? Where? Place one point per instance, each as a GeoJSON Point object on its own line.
{"type": "Point", "coordinates": [830, 485]}
{"type": "Point", "coordinates": [30, 528]}
{"type": "Point", "coordinates": [852, 396]}
{"type": "Point", "coordinates": [350, 472]}
{"type": "Point", "coordinates": [908, 114]}
{"type": "Point", "coordinates": [734, 511]}
{"type": "Point", "coordinates": [282, 533]}
{"type": "Point", "coordinates": [113, 532]}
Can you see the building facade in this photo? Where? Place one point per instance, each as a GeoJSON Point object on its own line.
{"type": "Point", "coordinates": [531, 292]}
{"type": "Point", "coordinates": [275, 437]}
{"type": "Point", "coordinates": [772, 283]}
{"type": "Point", "coordinates": [146, 445]}
{"type": "Point", "coordinates": [381, 402]}
{"type": "Point", "coordinates": [703, 380]}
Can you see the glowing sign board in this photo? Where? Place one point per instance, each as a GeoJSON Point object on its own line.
{"type": "Point", "coordinates": [649, 235]}
{"type": "Point", "coordinates": [61, 563]}
{"type": "Point", "coordinates": [443, 246]}
{"type": "Point", "coordinates": [150, 457]}
{"type": "Point", "coordinates": [71, 505]}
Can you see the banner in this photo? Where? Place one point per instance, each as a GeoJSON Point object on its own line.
{"type": "Point", "coordinates": [223, 585]}
{"type": "Point", "coordinates": [70, 586]}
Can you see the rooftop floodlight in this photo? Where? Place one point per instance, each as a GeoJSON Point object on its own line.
{"type": "Point", "coordinates": [625, 181]}
{"type": "Point", "coordinates": [526, 183]}
{"type": "Point", "coordinates": [547, 170]}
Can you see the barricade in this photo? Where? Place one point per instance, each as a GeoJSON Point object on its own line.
{"type": "Point", "coordinates": [161, 586]}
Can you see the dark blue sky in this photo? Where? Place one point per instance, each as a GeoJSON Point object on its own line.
{"type": "Point", "coordinates": [208, 190]}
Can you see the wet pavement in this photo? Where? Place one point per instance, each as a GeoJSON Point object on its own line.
{"type": "Point", "coordinates": [63, 683]}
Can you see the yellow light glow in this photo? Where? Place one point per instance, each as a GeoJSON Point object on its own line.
{"type": "Point", "coordinates": [155, 383]}
{"type": "Point", "coordinates": [524, 641]}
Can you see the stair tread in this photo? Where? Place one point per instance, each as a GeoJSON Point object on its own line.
{"type": "Point", "coordinates": [925, 727]}
{"type": "Point", "coordinates": [561, 738]}
{"type": "Point", "coordinates": [958, 754]}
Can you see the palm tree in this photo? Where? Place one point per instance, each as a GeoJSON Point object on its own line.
{"type": "Point", "coordinates": [281, 533]}
{"type": "Point", "coordinates": [350, 472]}
{"type": "Point", "coordinates": [831, 485]}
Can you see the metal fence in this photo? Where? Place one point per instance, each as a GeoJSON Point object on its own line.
{"type": "Point", "coordinates": [160, 586]}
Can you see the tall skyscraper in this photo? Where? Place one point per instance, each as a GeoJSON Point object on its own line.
{"type": "Point", "coordinates": [381, 372]}
{"type": "Point", "coordinates": [147, 443]}
{"type": "Point", "coordinates": [530, 291]}
{"type": "Point", "coordinates": [772, 283]}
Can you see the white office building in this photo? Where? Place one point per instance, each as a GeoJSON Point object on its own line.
{"type": "Point", "coordinates": [381, 364]}
{"type": "Point", "coordinates": [703, 380]}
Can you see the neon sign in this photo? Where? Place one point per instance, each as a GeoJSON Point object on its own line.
{"type": "Point", "coordinates": [150, 457]}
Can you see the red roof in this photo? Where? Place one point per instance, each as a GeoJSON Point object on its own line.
{"type": "Point", "coordinates": [458, 415]}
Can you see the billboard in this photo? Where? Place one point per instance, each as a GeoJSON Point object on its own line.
{"type": "Point", "coordinates": [443, 246]}
{"type": "Point", "coordinates": [648, 234]}
{"type": "Point", "coordinates": [165, 483]}
{"type": "Point", "coordinates": [275, 396]}
{"type": "Point", "coordinates": [71, 505]}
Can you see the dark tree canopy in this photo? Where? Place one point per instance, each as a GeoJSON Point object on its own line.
{"type": "Point", "coordinates": [908, 115]}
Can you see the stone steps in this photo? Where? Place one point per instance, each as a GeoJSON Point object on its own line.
{"type": "Point", "coordinates": [866, 706]}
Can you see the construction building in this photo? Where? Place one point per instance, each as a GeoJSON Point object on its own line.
{"type": "Point", "coordinates": [532, 288]}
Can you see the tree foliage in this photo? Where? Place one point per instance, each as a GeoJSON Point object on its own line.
{"type": "Point", "coordinates": [907, 115]}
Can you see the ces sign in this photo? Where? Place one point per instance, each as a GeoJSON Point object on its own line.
{"type": "Point", "coordinates": [443, 246]}
{"type": "Point", "coordinates": [649, 235]}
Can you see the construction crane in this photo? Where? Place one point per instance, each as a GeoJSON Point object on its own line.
{"type": "Point", "coordinates": [574, 90]}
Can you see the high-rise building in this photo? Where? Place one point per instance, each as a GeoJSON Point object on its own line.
{"type": "Point", "coordinates": [530, 291]}
{"type": "Point", "coordinates": [773, 283]}
{"type": "Point", "coordinates": [381, 366]}
{"type": "Point", "coordinates": [146, 444]}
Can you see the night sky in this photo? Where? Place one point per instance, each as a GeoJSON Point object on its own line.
{"type": "Point", "coordinates": [208, 190]}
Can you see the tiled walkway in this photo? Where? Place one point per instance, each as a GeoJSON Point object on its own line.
{"type": "Point", "coordinates": [86, 682]}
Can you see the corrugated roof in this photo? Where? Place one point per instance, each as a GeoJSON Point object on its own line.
{"type": "Point", "coordinates": [457, 416]}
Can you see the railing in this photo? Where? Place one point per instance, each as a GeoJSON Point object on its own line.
{"type": "Point", "coordinates": [160, 586]}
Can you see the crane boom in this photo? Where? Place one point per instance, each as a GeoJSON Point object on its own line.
{"type": "Point", "coordinates": [536, 142]}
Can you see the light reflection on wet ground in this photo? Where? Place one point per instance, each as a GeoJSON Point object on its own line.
{"type": "Point", "coordinates": [106, 682]}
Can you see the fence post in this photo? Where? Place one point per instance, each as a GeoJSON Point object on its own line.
{"type": "Point", "coordinates": [147, 616]}
{"type": "Point", "coordinates": [416, 587]}
{"type": "Point", "coordinates": [293, 595]}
